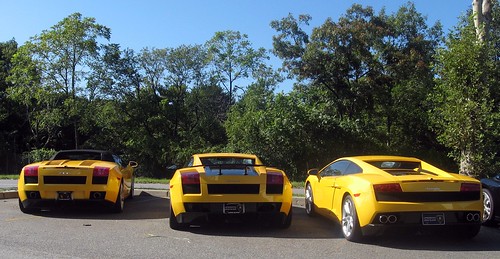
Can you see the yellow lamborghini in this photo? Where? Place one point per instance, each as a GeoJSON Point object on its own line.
{"type": "Point", "coordinates": [229, 185]}
{"type": "Point", "coordinates": [372, 194]}
{"type": "Point", "coordinates": [72, 176]}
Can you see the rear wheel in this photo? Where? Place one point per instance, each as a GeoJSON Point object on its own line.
{"type": "Point", "coordinates": [120, 201]}
{"type": "Point", "coordinates": [132, 187]}
{"type": "Point", "coordinates": [488, 216]}
{"type": "Point", "coordinates": [309, 204]}
{"type": "Point", "coordinates": [173, 221]}
{"type": "Point", "coordinates": [350, 222]}
{"type": "Point", "coordinates": [27, 210]}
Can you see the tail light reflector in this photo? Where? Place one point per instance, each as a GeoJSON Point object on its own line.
{"type": "Point", "coordinates": [274, 183]}
{"type": "Point", "coordinates": [387, 187]}
{"type": "Point", "coordinates": [190, 182]}
{"type": "Point", "coordinates": [470, 187]}
{"type": "Point", "coordinates": [100, 171]}
{"type": "Point", "coordinates": [31, 171]}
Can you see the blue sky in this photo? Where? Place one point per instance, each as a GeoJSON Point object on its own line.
{"type": "Point", "coordinates": [165, 23]}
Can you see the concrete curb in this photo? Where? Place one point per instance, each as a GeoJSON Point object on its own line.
{"type": "Point", "coordinates": [8, 195]}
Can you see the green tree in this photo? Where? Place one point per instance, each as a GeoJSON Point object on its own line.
{"type": "Point", "coordinates": [61, 58]}
{"type": "Point", "coordinates": [466, 113]}
{"type": "Point", "coordinates": [233, 58]}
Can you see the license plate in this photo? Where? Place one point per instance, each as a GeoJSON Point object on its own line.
{"type": "Point", "coordinates": [64, 196]}
{"type": "Point", "coordinates": [233, 208]}
{"type": "Point", "coordinates": [433, 219]}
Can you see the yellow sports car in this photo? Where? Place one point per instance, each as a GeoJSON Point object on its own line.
{"type": "Point", "coordinates": [229, 185]}
{"type": "Point", "coordinates": [72, 176]}
{"type": "Point", "coordinates": [372, 194]}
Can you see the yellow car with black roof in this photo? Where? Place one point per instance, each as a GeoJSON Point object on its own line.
{"type": "Point", "coordinates": [229, 186]}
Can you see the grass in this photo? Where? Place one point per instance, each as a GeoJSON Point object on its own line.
{"type": "Point", "coordinates": [9, 176]}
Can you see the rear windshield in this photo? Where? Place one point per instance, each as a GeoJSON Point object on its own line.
{"type": "Point", "coordinates": [401, 167]}
{"type": "Point", "coordinates": [228, 166]}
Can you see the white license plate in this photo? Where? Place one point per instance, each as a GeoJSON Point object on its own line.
{"type": "Point", "coordinates": [433, 219]}
{"type": "Point", "coordinates": [233, 208]}
{"type": "Point", "coordinates": [64, 196]}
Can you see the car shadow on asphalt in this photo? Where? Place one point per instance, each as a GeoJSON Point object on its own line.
{"type": "Point", "coordinates": [302, 227]}
{"type": "Point", "coordinates": [144, 205]}
{"type": "Point", "coordinates": [486, 240]}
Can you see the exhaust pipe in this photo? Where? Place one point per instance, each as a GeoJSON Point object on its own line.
{"type": "Point", "coordinates": [96, 195]}
{"type": "Point", "coordinates": [392, 219]}
{"type": "Point", "coordinates": [383, 219]}
{"type": "Point", "coordinates": [33, 195]}
{"type": "Point", "coordinates": [473, 217]}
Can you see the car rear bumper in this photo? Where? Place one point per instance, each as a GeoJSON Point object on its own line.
{"type": "Point", "coordinates": [422, 222]}
{"type": "Point", "coordinates": [203, 212]}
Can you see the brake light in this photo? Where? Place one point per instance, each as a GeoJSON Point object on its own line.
{"type": "Point", "coordinates": [470, 187]}
{"type": "Point", "coordinates": [274, 178]}
{"type": "Point", "coordinates": [387, 187]}
{"type": "Point", "coordinates": [31, 171]}
{"type": "Point", "coordinates": [100, 171]}
{"type": "Point", "coordinates": [190, 178]}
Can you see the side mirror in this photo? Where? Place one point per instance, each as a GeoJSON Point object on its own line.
{"type": "Point", "coordinates": [313, 171]}
{"type": "Point", "coordinates": [133, 164]}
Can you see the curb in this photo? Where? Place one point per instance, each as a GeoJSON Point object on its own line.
{"type": "Point", "coordinates": [8, 195]}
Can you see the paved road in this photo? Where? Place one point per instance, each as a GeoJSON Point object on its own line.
{"type": "Point", "coordinates": [142, 231]}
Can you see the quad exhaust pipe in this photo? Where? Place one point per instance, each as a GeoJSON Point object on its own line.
{"type": "Point", "coordinates": [388, 219]}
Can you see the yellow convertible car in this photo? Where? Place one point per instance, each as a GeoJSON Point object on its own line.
{"type": "Point", "coordinates": [229, 186]}
{"type": "Point", "coordinates": [72, 176]}
{"type": "Point", "coordinates": [372, 194]}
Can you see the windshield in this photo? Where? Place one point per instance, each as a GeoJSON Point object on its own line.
{"type": "Point", "coordinates": [401, 167]}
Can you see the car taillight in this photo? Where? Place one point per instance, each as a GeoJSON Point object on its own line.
{"type": "Point", "coordinates": [101, 171]}
{"type": "Point", "coordinates": [387, 187]}
{"type": "Point", "coordinates": [190, 182]}
{"type": "Point", "coordinates": [31, 171]}
{"type": "Point", "coordinates": [100, 175]}
{"type": "Point", "coordinates": [31, 174]}
{"type": "Point", "coordinates": [274, 183]}
{"type": "Point", "coordinates": [470, 187]}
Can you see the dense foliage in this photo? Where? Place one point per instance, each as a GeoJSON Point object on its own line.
{"type": "Point", "coordinates": [369, 83]}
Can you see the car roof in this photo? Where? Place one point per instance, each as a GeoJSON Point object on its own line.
{"type": "Point", "coordinates": [385, 157]}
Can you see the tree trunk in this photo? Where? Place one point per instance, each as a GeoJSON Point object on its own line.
{"type": "Point", "coordinates": [481, 9]}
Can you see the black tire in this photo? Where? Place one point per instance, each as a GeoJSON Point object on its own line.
{"type": "Point", "coordinates": [288, 220]}
{"type": "Point", "coordinates": [27, 210]}
{"type": "Point", "coordinates": [120, 201]}
{"type": "Point", "coordinates": [173, 222]}
{"type": "Point", "coordinates": [309, 201]}
{"type": "Point", "coordinates": [132, 188]}
{"type": "Point", "coordinates": [349, 222]}
{"type": "Point", "coordinates": [489, 208]}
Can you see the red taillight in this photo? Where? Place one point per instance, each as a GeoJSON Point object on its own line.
{"type": "Point", "coordinates": [31, 171]}
{"type": "Point", "coordinates": [470, 187]}
{"type": "Point", "coordinates": [100, 171]}
{"type": "Point", "coordinates": [387, 187]}
{"type": "Point", "coordinates": [274, 178]}
{"type": "Point", "coordinates": [190, 178]}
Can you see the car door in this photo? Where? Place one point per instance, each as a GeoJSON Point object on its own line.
{"type": "Point", "coordinates": [326, 183]}
{"type": "Point", "coordinates": [340, 186]}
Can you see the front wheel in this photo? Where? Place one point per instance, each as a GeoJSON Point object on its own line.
{"type": "Point", "coordinates": [488, 215]}
{"type": "Point", "coordinates": [350, 222]}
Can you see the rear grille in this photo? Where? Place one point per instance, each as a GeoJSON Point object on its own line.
{"type": "Point", "coordinates": [233, 188]}
{"type": "Point", "coordinates": [428, 196]}
{"type": "Point", "coordinates": [64, 179]}
{"type": "Point", "coordinates": [99, 180]}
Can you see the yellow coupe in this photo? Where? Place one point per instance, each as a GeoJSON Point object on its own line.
{"type": "Point", "coordinates": [72, 176]}
{"type": "Point", "coordinates": [229, 185]}
{"type": "Point", "coordinates": [372, 194]}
